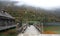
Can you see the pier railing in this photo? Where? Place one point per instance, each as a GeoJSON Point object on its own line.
{"type": "Point", "coordinates": [21, 29]}
{"type": "Point", "coordinates": [39, 28]}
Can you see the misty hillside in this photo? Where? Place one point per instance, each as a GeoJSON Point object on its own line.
{"type": "Point", "coordinates": [28, 13]}
{"type": "Point", "coordinates": [57, 12]}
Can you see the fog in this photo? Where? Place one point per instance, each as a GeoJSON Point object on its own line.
{"type": "Point", "coordinates": [45, 4]}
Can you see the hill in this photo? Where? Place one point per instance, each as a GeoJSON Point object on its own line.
{"type": "Point", "coordinates": [28, 13]}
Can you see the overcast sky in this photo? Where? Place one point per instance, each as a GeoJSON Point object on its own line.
{"type": "Point", "coordinates": [46, 4]}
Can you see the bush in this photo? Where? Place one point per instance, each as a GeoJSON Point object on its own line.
{"type": "Point", "coordinates": [5, 33]}
{"type": "Point", "coordinates": [12, 31]}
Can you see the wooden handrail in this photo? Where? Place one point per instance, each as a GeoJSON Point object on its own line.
{"type": "Point", "coordinates": [39, 29]}
{"type": "Point", "coordinates": [22, 29]}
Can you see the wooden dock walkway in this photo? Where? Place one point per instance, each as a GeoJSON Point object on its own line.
{"type": "Point", "coordinates": [30, 31]}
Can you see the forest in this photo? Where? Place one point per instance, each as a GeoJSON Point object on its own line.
{"type": "Point", "coordinates": [30, 13]}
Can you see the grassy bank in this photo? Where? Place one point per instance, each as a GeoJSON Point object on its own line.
{"type": "Point", "coordinates": [54, 29]}
{"type": "Point", "coordinates": [11, 32]}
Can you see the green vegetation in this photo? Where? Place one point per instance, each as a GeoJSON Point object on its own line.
{"type": "Point", "coordinates": [11, 32]}
{"type": "Point", "coordinates": [55, 29]}
{"type": "Point", "coordinates": [31, 15]}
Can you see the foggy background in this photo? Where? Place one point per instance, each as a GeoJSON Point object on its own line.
{"type": "Point", "coordinates": [17, 5]}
